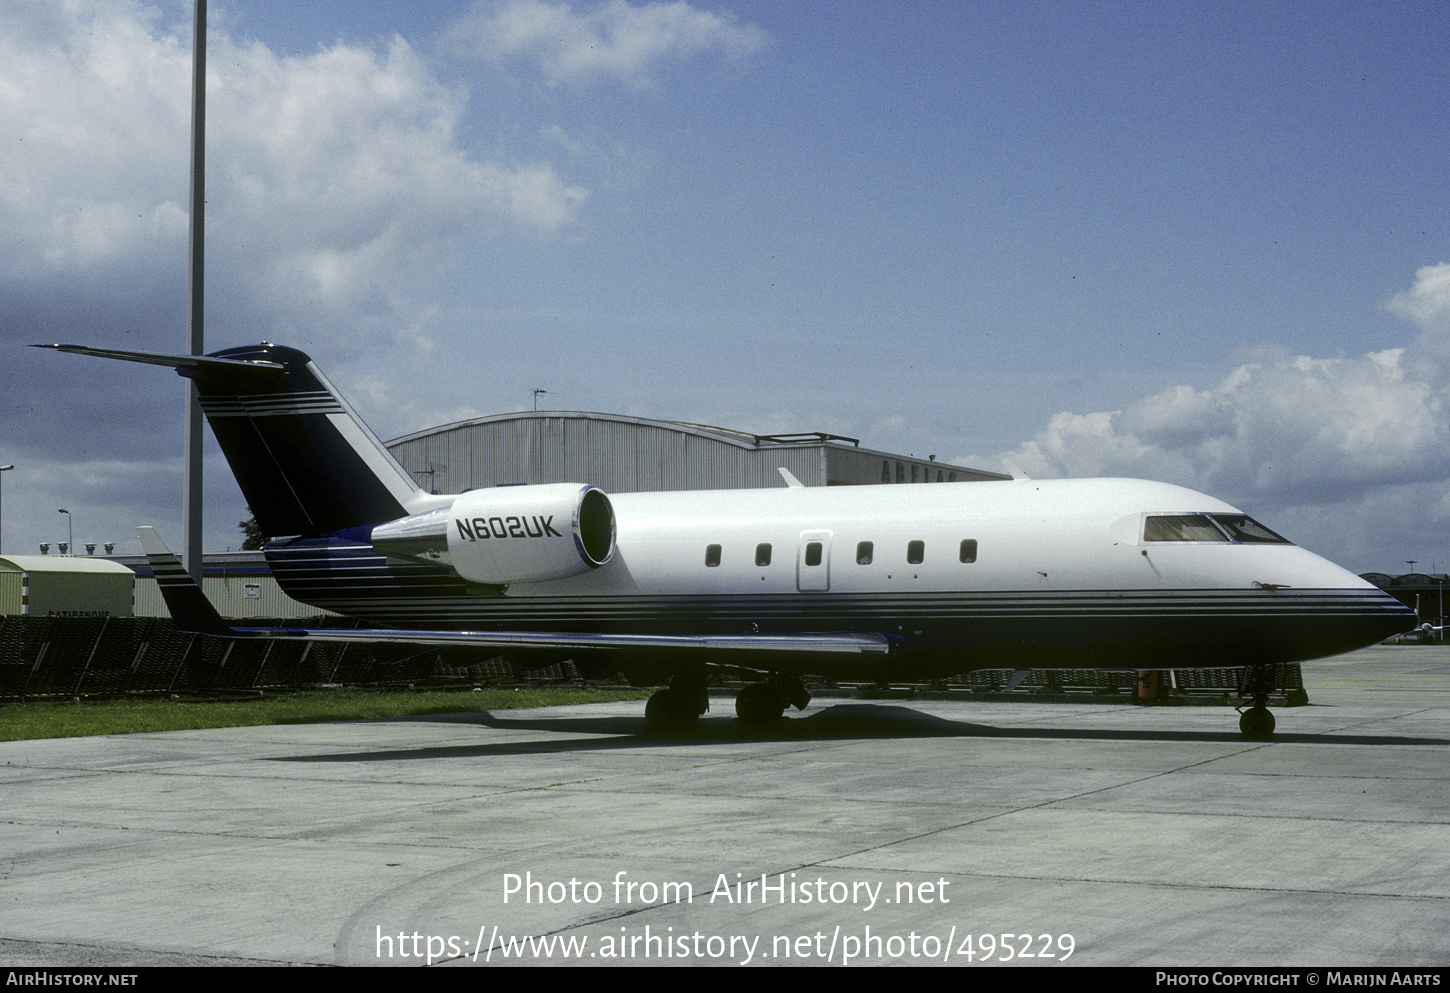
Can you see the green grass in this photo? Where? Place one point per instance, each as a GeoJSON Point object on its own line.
{"type": "Point", "coordinates": [24, 721]}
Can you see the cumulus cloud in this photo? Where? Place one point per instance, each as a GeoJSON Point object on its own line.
{"type": "Point", "coordinates": [329, 175]}
{"type": "Point", "coordinates": [1426, 304]}
{"type": "Point", "coordinates": [1285, 427]}
{"type": "Point", "coordinates": [343, 172]}
{"type": "Point", "coordinates": [335, 181]}
{"type": "Point", "coordinates": [611, 41]}
{"type": "Point", "coordinates": [1292, 433]}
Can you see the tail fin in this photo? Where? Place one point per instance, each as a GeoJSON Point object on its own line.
{"type": "Point", "coordinates": [306, 463]}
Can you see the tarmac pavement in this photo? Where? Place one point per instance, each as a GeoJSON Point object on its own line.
{"type": "Point", "coordinates": [863, 832]}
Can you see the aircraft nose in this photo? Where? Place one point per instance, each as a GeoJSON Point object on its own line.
{"type": "Point", "coordinates": [1334, 621]}
{"type": "Point", "coordinates": [1383, 617]}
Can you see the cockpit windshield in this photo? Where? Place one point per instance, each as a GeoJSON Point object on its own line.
{"type": "Point", "coordinates": [1246, 529]}
{"type": "Point", "coordinates": [1237, 528]}
{"type": "Point", "coordinates": [1181, 527]}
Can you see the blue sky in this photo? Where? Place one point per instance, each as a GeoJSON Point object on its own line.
{"type": "Point", "coordinates": [1206, 243]}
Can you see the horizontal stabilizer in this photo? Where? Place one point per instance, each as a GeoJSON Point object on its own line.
{"type": "Point", "coordinates": [174, 361]}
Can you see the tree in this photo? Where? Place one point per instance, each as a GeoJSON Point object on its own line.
{"type": "Point", "coordinates": [255, 540]}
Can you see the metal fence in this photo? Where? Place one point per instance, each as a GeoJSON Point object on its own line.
{"type": "Point", "coordinates": [48, 657]}
{"type": "Point", "coordinates": [63, 657]}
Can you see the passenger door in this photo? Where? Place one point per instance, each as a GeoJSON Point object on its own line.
{"type": "Point", "coordinates": [813, 562]}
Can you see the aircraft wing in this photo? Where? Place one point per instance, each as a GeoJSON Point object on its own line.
{"type": "Point", "coordinates": [191, 611]}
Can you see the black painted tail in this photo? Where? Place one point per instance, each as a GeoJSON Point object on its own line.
{"type": "Point", "coordinates": [306, 463]}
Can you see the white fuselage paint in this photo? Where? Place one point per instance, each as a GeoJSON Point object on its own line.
{"type": "Point", "coordinates": [1031, 535]}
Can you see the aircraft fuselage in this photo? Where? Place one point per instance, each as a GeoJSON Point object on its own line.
{"type": "Point", "coordinates": [1022, 573]}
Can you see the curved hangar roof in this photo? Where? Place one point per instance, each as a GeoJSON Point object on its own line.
{"type": "Point", "coordinates": [633, 454]}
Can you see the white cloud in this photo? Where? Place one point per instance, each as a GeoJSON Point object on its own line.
{"type": "Point", "coordinates": [1426, 305]}
{"type": "Point", "coordinates": [336, 181]}
{"type": "Point", "coordinates": [612, 40]}
{"type": "Point", "coordinates": [332, 177]}
{"type": "Point", "coordinates": [342, 175]}
{"type": "Point", "coordinates": [1327, 442]}
{"type": "Point", "coordinates": [90, 126]}
{"type": "Point", "coordinates": [1287, 427]}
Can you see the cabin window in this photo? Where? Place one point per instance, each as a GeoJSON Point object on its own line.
{"type": "Point", "coordinates": [864, 552]}
{"type": "Point", "coordinates": [1181, 527]}
{"type": "Point", "coordinates": [915, 552]}
{"type": "Point", "coordinates": [712, 556]}
{"type": "Point", "coordinates": [813, 553]}
{"type": "Point", "coordinates": [968, 554]}
{"type": "Point", "coordinates": [762, 554]}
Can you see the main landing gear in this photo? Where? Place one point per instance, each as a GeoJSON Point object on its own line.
{"type": "Point", "coordinates": [679, 705]}
{"type": "Point", "coordinates": [761, 703]}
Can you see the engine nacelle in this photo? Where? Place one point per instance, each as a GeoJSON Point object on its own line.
{"type": "Point", "coordinates": [512, 534]}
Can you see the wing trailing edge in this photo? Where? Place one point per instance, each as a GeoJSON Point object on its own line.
{"type": "Point", "coordinates": [191, 611]}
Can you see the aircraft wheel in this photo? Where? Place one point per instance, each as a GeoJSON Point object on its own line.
{"type": "Point", "coordinates": [760, 703]}
{"type": "Point", "coordinates": [1257, 724]}
{"type": "Point", "coordinates": [670, 710]}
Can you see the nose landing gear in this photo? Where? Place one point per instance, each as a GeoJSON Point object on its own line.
{"type": "Point", "coordinates": [1257, 722]}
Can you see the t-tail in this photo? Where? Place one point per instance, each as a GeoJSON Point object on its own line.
{"type": "Point", "coordinates": [306, 463]}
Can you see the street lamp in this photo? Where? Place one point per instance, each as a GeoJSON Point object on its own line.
{"type": "Point", "coordinates": [3, 468]}
{"type": "Point", "coordinates": [70, 523]}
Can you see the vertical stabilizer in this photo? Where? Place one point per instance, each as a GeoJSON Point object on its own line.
{"type": "Point", "coordinates": [306, 463]}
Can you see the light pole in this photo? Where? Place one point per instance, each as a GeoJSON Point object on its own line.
{"type": "Point", "coordinates": [3, 468]}
{"type": "Point", "coordinates": [193, 480]}
{"type": "Point", "coordinates": [70, 526]}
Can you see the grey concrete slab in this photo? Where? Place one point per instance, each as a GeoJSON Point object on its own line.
{"type": "Point", "coordinates": [890, 831]}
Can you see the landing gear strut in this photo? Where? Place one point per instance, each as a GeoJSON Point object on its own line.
{"type": "Point", "coordinates": [761, 703]}
{"type": "Point", "coordinates": [1257, 723]}
{"type": "Point", "coordinates": [679, 705]}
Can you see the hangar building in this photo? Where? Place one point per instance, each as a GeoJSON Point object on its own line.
{"type": "Point", "coordinates": [622, 454]}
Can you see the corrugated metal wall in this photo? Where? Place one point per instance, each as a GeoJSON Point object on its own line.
{"type": "Point", "coordinates": [12, 584]}
{"type": "Point", "coordinates": [232, 596]}
{"type": "Point", "coordinates": [620, 455]}
{"type": "Point", "coordinates": [629, 454]}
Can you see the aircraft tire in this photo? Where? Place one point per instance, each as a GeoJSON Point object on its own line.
{"type": "Point", "coordinates": [760, 703]}
{"type": "Point", "coordinates": [1257, 724]}
{"type": "Point", "coordinates": [668, 711]}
